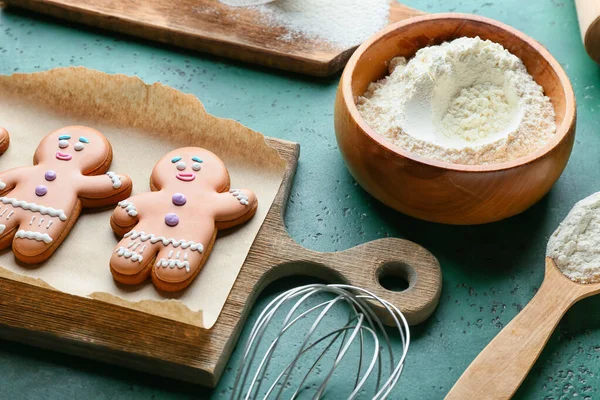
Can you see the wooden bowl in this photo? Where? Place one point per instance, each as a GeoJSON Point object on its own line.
{"type": "Point", "coordinates": [439, 191]}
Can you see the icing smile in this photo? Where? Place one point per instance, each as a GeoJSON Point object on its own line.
{"type": "Point", "coordinates": [63, 156]}
{"type": "Point", "coordinates": [184, 176]}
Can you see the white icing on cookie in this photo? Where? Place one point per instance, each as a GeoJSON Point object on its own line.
{"type": "Point", "coordinates": [116, 181]}
{"type": "Point", "coordinates": [2, 228]}
{"type": "Point", "coordinates": [165, 241]}
{"type": "Point", "coordinates": [53, 212]}
{"type": "Point", "coordinates": [31, 220]}
{"type": "Point", "coordinates": [129, 207]}
{"type": "Point", "coordinates": [2, 185]}
{"type": "Point", "coordinates": [40, 237]}
{"type": "Point", "coordinates": [132, 255]}
{"type": "Point", "coordinates": [163, 262]}
{"type": "Point", "coordinates": [10, 214]}
{"type": "Point", "coordinates": [242, 198]}
{"type": "Point", "coordinates": [49, 223]}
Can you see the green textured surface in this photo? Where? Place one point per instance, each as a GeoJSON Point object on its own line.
{"type": "Point", "coordinates": [489, 272]}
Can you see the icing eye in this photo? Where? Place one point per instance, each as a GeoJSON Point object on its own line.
{"type": "Point", "coordinates": [180, 165]}
{"type": "Point", "coordinates": [197, 159]}
{"type": "Point", "coordinates": [196, 166]}
{"type": "Point", "coordinates": [175, 159]}
{"type": "Point", "coordinates": [78, 146]}
{"type": "Point", "coordinates": [63, 143]}
{"type": "Point", "coordinates": [83, 139]}
{"type": "Point", "coordinates": [64, 137]}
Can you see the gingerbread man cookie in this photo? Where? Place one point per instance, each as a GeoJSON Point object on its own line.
{"type": "Point", "coordinates": [40, 204]}
{"type": "Point", "coordinates": [169, 233]}
{"type": "Point", "coordinates": [4, 140]}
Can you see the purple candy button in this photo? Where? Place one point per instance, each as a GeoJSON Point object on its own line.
{"type": "Point", "coordinates": [50, 175]}
{"type": "Point", "coordinates": [41, 190]}
{"type": "Point", "coordinates": [171, 219]}
{"type": "Point", "coordinates": [179, 199]}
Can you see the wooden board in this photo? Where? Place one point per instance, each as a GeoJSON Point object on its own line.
{"type": "Point", "coordinates": [106, 332]}
{"type": "Point", "coordinates": [208, 26]}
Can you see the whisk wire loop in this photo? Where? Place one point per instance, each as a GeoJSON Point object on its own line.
{"type": "Point", "coordinates": [362, 320]}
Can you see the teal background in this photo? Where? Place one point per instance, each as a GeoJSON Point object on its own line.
{"type": "Point", "coordinates": [489, 272]}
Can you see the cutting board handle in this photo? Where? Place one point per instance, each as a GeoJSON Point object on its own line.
{"type": "Point", "coordinates": [274, 255]}
{"type": "Point", "coordinates": [364, 266]}
{"type": "Point", "coordinates": [369, 264]}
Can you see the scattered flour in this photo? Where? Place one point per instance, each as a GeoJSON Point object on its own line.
{"type": "Point", "coordinates": [341, 23]}
{"type": "Point", "coordinates": [575, 245]}
{"type": "Point", "coordinates": [468, 101]}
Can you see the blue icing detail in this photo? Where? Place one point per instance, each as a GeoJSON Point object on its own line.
{"type": "Point", "coordinates": [197, 159]}
{"type": "Point", "coordinates": [64, 137]}
{"type": "Point", "coordinates": [83, 139]}
{"type": "Point", "coordinates": [175, 159]}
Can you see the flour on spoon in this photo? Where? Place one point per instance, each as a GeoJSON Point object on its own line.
{"type": "Point", "coordinates": [575, 245]}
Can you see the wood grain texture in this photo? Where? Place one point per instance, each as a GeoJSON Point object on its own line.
{"type": "Point", "coordinates": [207, 26]}
{"type": "Point", "coordinates": [501, 367]}
{"type": "Point", "coordinates": [106, 332]}
{"type": "Point", "coordinates": [434, 190]}
{"type": "Point", "coordinates": [588, 14]}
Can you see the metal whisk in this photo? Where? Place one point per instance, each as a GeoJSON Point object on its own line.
{"type": "Point", "coordinates": [316, 345]}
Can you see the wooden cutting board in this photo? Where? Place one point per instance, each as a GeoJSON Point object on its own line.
{"type": "Point", "coordinates": [107, 332]}
{"type": "Point", "coordinates": [208, 26]}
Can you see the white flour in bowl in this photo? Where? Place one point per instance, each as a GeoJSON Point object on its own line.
{"type": "Point", "coordinates": [468, 101]}
{"type": "Point", "coordinates": [575, 245]}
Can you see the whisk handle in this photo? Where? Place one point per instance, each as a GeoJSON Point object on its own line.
{"type": "Point", "coordinates": [501, 367]}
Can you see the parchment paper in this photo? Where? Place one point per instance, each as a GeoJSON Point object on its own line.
{"type": "Point", "coordinates": [142, 123]}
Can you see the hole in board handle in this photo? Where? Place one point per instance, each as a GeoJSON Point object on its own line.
{"type": "Point", "coordinates": [396, 276]}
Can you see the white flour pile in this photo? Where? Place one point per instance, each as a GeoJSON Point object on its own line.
{"type": "Point", "coordinates": [467, 101]}
{"type": "Point", "coordinates": [575, 245]}
{"type": "Point", "coordinates": [342, 23]}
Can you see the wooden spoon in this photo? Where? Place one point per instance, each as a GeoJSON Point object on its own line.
{"type": "Point", "coordinates": [501, 367]}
